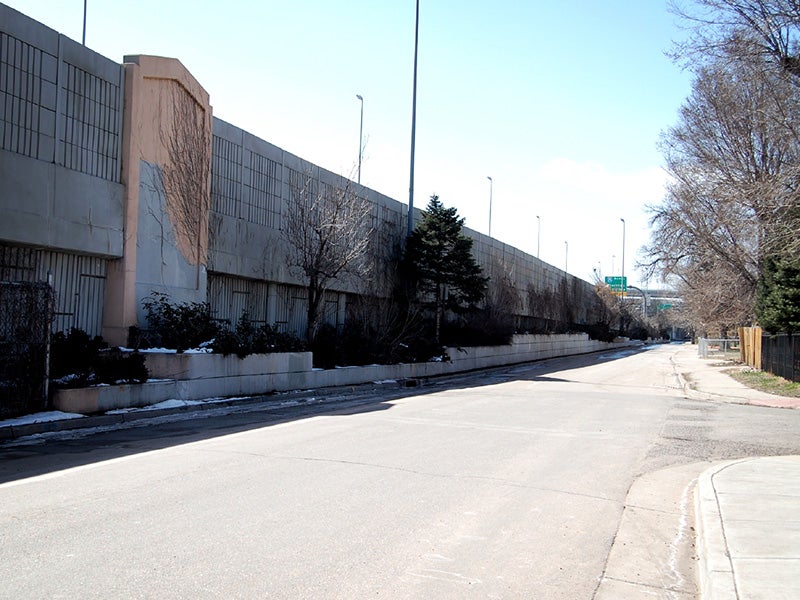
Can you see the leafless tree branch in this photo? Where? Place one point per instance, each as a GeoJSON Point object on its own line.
{"type": "Point", "coordinates": [328, 232]}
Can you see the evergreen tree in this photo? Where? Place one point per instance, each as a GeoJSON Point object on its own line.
{"type": "Point", "coordinates": [778, 296]}
{"type": "Point", "coordinates": [439, 262]}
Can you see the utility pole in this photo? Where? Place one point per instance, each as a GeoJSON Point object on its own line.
{"type": "Point", "coordinates": [413, 130]}
{"type": "Point", "coordinates": [360, 137]}
{"type": "Point", "coordinates": [83, 39]}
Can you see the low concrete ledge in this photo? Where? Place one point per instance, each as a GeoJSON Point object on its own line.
{"type": "Point", "coordinates": [198, 376]}
{"type": "Point", "coordinates": [96, 399]}
{"type": "Point", "coordinates": [162, 365]}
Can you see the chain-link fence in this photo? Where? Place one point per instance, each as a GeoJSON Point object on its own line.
{"type": "Point", "coordinates": [725, 348]}
{"type": "Point", "coordinates": [26, 313]}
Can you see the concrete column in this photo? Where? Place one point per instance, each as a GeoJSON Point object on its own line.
{"type": "Point", "coordinates": [151, 83]}
{"type": "Point", "coordinates": [272, 302]}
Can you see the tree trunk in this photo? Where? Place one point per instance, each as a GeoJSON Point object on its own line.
{"type": "Point", "coordinates": [439, 310]}
{"type": "Point", "coordinates": [312, 315]}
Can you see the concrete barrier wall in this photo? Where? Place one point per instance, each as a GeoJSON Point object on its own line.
{"type": "Point", "coordinates": [199, 376]}
{"type": "Point", "coordinates": [60, 152]}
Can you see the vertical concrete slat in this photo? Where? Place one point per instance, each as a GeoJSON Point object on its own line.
{"type": "Point", "coordinates": [120, 103]}
{"type": "Point", "coordinates": [59, 108]}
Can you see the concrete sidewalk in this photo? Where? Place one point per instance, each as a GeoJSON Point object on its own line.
{"type": "Point", "coordinates": [747, 511]}
{"type": "Point", "coordinates": [748, 529]}
{"type": "Point", "coordinates": [706, 379]}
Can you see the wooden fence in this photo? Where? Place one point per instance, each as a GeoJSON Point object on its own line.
{"type": "Point", "coordinates": [750, 346]}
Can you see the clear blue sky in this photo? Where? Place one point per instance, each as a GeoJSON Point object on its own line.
{"type": "Point", "coordinates": [561, 103]}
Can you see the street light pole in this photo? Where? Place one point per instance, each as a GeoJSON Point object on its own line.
{"type": "Point", "coordinates": [84, 23]}
{"type": "Point", "coordinates": [623, 249]}
{"type": "Point", "coordinates": [538, 234]}
{"type": "Point", "coordinates": [360, 137]}
{"type": "Point", "coordinates": [566, 256]}
{"type": "Point", "coordinates": [491, 185]}
{"type": "Point", "coordinates": [413, 129]}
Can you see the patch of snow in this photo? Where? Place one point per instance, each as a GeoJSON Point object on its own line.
{"type": "Point", "coordinates": [42, 417]}
{"type": "Point", "coordinates": [385, 381]}
{"type": "Point", "coordinates": [172, 404]}
{"type": "Point", "coordinates": [66, 379]}
{"type": "Point", "coordinates": [175, 403]}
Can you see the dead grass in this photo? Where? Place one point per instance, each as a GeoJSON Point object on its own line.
{"type": "Point", "coordinates": [766, 382]}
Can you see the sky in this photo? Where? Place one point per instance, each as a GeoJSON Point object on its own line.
{"type": "Point", "coordinates": [560, 103]}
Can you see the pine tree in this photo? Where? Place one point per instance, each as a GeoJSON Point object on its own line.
{"type": "Point", "coordinates": [778, 297]}
{"type": "Point", "coordinates": [440, 264]}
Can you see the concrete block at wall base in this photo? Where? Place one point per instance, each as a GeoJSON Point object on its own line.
{"type": "Point", "coordinates": [352, 375]}
{"type": "Point", "coordinates": [200, 366]}
{"type": "Point", "coordinates": [104, 398]}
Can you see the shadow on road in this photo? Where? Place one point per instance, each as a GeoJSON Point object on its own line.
{"type": "Point", "coordinates": [52, 452]}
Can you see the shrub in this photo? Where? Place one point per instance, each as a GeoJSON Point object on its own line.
{"type": "Point", "coordinates": [179, 326]}
{"type": "Point", "coordinates": [73, 355]}
{"type": "Point", "coordinates": [76, 360]}
{"type": "Point", "coordinates": [476, 331]}
{"type": "Point", "coordinates": [599, 331]}
{"type": "Point", "coordinates": [359, 344]}
{"type": "Point", "coordinates": [247, 338]}
{"type": "Point", "coordinates": [326, 348]}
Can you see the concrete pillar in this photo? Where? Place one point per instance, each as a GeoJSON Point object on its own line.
{"type": "Point", "coordinates": [272, 303]}
{"type": "Point", "coordinates": [152, 85]}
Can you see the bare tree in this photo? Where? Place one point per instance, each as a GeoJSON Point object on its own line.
{"type": "Point", "coordinates": [503, 300]}
{"type": "Point", "coordinates": [186, 173]}
{"type": "Point", "coordinates": [733, 159]}
{"type": "Point", "coordinates": [767, 30]}
{"type": "Point", "coordinates": [327, 230]}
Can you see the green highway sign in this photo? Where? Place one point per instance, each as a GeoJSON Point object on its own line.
{"type": "Point", "coordinates": [617, 284]}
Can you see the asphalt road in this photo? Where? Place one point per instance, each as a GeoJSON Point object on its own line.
{"type": "Point", "coordinates": [509, 484]}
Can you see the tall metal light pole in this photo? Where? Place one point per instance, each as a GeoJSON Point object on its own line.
{"type": "Point", "coordinates": [623, 248]}
{"type": "Point", "coordinates": [360, 137]}
{"type": "Point", "coordinates": [491, 185]}
{"type": "Point", "coordinates": [413, 130]}
{"type": "Point", "coordinates": [538, 234]}
{"type": "Point", "coordinates": [566, 256]}
{"type": "Point", "coordinates": [84, 23]}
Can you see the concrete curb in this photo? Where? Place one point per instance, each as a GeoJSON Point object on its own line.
{"type": "Point", "coordinates": [11, 432]}
{"type": "Point", "coordinates": [715, 571]}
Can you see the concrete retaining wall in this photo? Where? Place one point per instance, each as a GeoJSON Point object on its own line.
{"type": "Point", "coordinates": [198, 376]}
